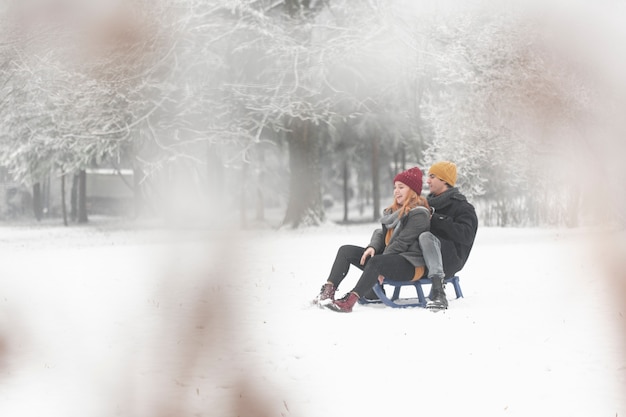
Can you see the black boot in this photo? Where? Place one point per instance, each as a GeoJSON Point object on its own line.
{"type": "Point", "coordinates": [438, 300]}
{"type": "Point", "coordinates": [371, 297]}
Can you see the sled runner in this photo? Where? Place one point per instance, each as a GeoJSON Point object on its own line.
{"type": "Point", "coordinates": [396, 302]}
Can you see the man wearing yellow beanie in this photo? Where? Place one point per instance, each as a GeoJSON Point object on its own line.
{"type": "Point", "coordinates": [453, 227]}
{"type": "Point", "coordinates": [445, 171]}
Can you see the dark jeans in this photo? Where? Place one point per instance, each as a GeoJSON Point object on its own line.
{"type": "Point", "coordinates": [390, 266]}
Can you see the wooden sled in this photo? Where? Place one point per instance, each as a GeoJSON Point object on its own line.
{"type": "Point", "coordinates": [396, 302]}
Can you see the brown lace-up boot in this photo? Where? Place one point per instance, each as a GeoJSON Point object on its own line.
{"type": "Point", "coordinates": [326, 295]}
{"type": "Point", "coordinates": [345, 304]}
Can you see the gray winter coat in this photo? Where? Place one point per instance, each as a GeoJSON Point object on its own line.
{"type": "Point", "coordinates": [404, 239]}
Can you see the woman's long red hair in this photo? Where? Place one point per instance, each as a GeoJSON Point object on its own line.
{"type": "Point", "coordinates": [411, 202]}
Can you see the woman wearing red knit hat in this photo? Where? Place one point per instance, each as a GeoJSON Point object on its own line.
{"type": "Point", "coordinates": [393, 250]}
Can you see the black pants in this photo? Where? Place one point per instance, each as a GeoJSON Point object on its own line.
{"type": "Point", "coordinates": [393, 267]}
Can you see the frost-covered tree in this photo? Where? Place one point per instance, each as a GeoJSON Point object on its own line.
{"type": "Point", "coordinates": [83, 84]}
{"type": "Point", "coordinates": [190, 92]}
{"type": "Point", "coordinates": [496, 98]}
{"type": "Point", "coordinates": [318, 72]}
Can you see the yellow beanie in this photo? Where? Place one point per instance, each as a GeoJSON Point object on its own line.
{"type": "Point", "coordinates": [445, 171]}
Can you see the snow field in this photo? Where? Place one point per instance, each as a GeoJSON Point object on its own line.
{"type": "Point", "coordinates": [106, 321]}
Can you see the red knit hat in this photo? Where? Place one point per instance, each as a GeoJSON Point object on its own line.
{"type": "Point", "coordinates": [412, 178]}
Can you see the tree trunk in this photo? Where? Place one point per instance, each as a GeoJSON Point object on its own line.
{"type": "Point", "coordinates": [137, 195]}
{"type": "Point", "coordinates": [396, 162]}
{"type": "Point", "coordinates": [63, 202]}
{"type": "Point", "coordinates": [74, 199]}
{"type": "Point", "coordinates": [260, 200]}
{"type": "Point", "coordinates": [346, 196]}
{"type": "Point", "coordinates": [305, 201]}
{"type": "Point", "coordinates": [45, 196]}
{"type": "Point", "coordinates": [82, 196]}
{"type": "Point", "coordinates": [375, 178]}
{"type": "Point", "coordinates": [37, 201]}
{"type": "Point", "coordinates": [399, 160]}
{"type": "Point", "coordinates": [243, 201]}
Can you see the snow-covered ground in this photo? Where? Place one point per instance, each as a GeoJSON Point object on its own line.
{"type": "Point", "coordinates": [104, 321]}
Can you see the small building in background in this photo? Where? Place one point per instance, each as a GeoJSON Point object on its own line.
{"type": "Point", "coordinates": [109, 193]}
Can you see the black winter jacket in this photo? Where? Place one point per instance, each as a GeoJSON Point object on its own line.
{"type": "Point", "coordinates": [455, 224]}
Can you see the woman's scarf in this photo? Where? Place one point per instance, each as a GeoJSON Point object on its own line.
{"type": "Point", "coordinates": [391, 221]}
